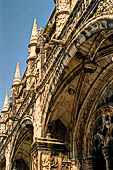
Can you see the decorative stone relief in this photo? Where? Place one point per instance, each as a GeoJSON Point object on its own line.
{"type": "Point", "coordinates": [66, 163]}
{"type": "Point", "coordinates": [62, 13]}
{"type": "Point", "coordinates": [35, 161]}
{"type": "Point", "coordinates": [54, 162]}
{"type": "Point", "coordinates": [46, 161]}
{"type": "Point", "coordinates": [30, 82]}
{"type": "Point", "coordinates": [105, 8]}
{"type": "Point", "coordinates": [37, 119]}
{"type": "Point", "coordinates": [40, 38]}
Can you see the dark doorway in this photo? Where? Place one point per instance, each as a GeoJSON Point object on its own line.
{"type": "Point", "coordinates": [21, 165]}
{"type": "Point", "coordinates": [100, 161]}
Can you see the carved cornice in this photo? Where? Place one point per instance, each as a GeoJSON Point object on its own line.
{"type": "Point", "coordinates": [47, 144]}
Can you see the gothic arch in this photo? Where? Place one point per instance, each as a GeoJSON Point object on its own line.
{"type": "Point", "coordinates": [95, 92]}
{"type": "Point", "coordinates": [90, 28]}
{"type": "Point", "coordinates": [86, 31]}
{"type": "Point", "coordinates": [25, 129]}
{"type": "Point", "coordinates": [61, 89]}
{"type": "Point", "coordinates": [89, 106]}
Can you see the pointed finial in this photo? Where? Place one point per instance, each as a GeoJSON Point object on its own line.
{"type": "Point", "coordinates": [17, 79]}
{"type": "Point", "coordinates": [34, 32]}
{"type": "Point", "coordinates": [6, 104]}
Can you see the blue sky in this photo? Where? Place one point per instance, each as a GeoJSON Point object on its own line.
{"type": "Point", "coordinates": [16, 20]}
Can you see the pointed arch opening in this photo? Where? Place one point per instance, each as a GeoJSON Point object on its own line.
{"type": "Point", "coordinates": [21, 158]}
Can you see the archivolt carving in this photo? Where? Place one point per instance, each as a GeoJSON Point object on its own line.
{"type": "Point", "coordinates": [25, 122]}
{"type": "Point", "coordinates": [88, 106]}
{"type": "Point", "coordinates": [90, 29]}
{"type": "Point", "coordinates": [96, 129]}
{"type": "Point", "coordinates": [101, 37]}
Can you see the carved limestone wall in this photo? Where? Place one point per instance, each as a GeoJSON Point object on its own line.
{"type": "Point", "coordinates": [62, 13]}
{"type": "Point", "coordinates": [105, 8]}
{"type": "Point", "coordinates": [50, 154]}
{"type": "Point", "coordinates": [37, 117]}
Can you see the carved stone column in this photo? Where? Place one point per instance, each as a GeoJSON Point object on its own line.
{"type": "Point", "coordinates": [37, 116]}
{"type": "Point", "coordinates": [90, 162]}
{"type": "Point", "coordinates": [106, 153]}
{"type": "Point", "coordinates": [47, 154]}
{"type": "Point", "coordinates": [7, 155]}
{"type": "Point", "coordinates": [34, 153]}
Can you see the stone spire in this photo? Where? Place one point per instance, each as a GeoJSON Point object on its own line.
{"type": "Point", "coordinates": [6, 104]}
{"type": "Point", "coordinates": [34, 32]}
{"type": "Point", "coordinates": [33, 42]}
{"type": "Point", "coordinates": [17, 79]}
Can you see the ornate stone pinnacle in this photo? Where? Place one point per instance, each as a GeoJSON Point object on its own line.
{"type": "Point", "coordinates": [34, 32]}
{"type": "Point", "coordinates": [17, 79]}
{"type": "Point", "coordinates": [6, 104]}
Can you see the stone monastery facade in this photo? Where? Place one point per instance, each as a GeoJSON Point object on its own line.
{"type": "Point", "coordinates": [60, 114]}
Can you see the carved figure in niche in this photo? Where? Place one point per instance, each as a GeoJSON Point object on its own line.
{"type": "Point", "coordinates": [45, 162]}
{"type": "Point", "coordinates": [65, 158]}
{"type": "Point", "coordinates": [103, 134]}
{"type": "Point", "coordinates": [66, 163]}
{"type": "Point", "coordinates": [103, 137]}
{"type": "Point", "coordinates": [107, 126]}
{"type": "Point", "coordinates": [54, 162]}
{"type": "Point", "coordinates": [30, 82]}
